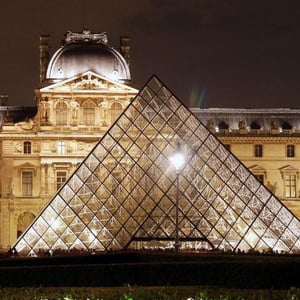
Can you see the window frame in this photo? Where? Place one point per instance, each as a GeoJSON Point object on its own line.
{"type": "Point", "coordinates": [88, 113]}
{"type": "Point", "coordinates": [61, 147]}
{"type": "Point", "coordinates": [290, 150]}
{"type": "Point", "coordinates": [290, 186]}
{"type": "Point", "coordinates": [58, 181]}
{"type": "Point", "coordinates": [27, 183]}
{"type": "Point", "coordinates": [258, 150]}
{"type": "Point", "coordinates": [27, 147]}
{"type": "Point", "coordinates": [61, 111]}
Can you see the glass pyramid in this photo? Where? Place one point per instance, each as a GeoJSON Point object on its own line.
{"type": "Point", "coordinates": [123, 195]}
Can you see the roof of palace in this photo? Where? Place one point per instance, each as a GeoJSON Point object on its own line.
{"type": "Point", "coordinates": [86, 51]}
{"type": "Point", "coordinates": [250, 118]}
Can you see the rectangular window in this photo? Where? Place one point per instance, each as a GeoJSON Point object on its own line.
{"type": "Point", "coordinates": [89, 114]}
{"type": "Point", "coordinates": [27, 183]}
{"type": "Point", "coordinates": [290, 186]}
{"type": "Point", "coordinates": [61, 177]}
{"type": "Point", "coordinates": [258, 150]}
{"type": "Point", "coordinates": [61, 147]}
{"type": "Point", "coordinates": [290, 150]}
{"type": "Point", "coordinates": [27, 147]}
{"type": "Point", "coordinates": [61, 113]}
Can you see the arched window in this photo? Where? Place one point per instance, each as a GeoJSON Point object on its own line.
{"type": "Point", "coordinates": [61, 113]}
{"type": "Point", "coordinates": [89, 113]}
{"type": "Point", "coordinates": [286, 126]}
{"type": "Point", "coordinates": [116, 110]}
{"type": "Point", "coordinates": [223, 125]}
{"type": "Point", "coordinates": [254, 125]}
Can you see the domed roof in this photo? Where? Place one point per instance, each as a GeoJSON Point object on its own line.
{"type": "Point", "coordinates": [83, 52]}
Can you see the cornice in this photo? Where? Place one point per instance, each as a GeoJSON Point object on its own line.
{"type": "Point", "coordinates": [263, 139]}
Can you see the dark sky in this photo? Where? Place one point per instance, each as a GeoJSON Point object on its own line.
{"type": "Point", "coordinates": [210, 53]}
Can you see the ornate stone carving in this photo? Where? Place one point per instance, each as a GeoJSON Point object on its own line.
{"type": "Point", "coordinates": [53, 147]}
{"type": "Point", "coordinates": [45, 110]}
{"type": "Point", "coordinates": [75, 107]}
{"type": "Point", "coordinates": [85, 36]}
{"type": "Point", "coordinates": [242, 125]}
{"type": "Point", "coordinates": [28, 124]}
{"type": "Point", "coordinates": [18, 147]}
{"type": "Point", "coordinates": [210, 124]}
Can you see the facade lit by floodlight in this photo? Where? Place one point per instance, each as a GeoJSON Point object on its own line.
{"type": "Point", "coordinates": [85, 85]}
{"type": "Point", "coordinates": [122, 195]}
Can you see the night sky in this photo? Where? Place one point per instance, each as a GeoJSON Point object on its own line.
{"type": "Point", "coordinates": [210, 53]}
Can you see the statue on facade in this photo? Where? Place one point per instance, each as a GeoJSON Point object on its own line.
{"type": "Point", "coordinates": [242, 125]}
{"type": "Point", "coordinates": [210, 124]}
{"type": "Point", "coordinates": [28, 124]}
{"type": "Point", "coordinates": [45, 111]}
{"type": "Point", "coordinates": [75, 107]}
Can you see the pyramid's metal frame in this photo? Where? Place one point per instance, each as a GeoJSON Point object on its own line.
{"type": "Point", "coordinates": [123, 195]}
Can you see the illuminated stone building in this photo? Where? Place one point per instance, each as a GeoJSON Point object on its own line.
{"type": "Point", "coordinates": [267, 141]}
{"type": "Point", "coordinates": [159, 179]}
{"type": "Point", "coordinates": [84, 87]}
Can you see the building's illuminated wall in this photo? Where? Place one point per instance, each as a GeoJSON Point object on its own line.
{"type": "Point", "coordinates": [126, 193]}
{"type": "Point", "coordinates": [273, 165]}
{"type": "Point", "coordinates": [53, 148]}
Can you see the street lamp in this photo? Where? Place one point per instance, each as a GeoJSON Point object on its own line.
{"type": "Point", "coordinates": [177, 160]}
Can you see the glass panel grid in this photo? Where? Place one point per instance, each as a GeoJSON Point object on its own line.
{"type": "Point", "coordinates": [125, 190]}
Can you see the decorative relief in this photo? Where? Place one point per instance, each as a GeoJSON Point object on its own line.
{"type": "Point", "coordinates": [85, 36]}
{"type": "Point", "coordinates": [18, 147]}
{"type": "Point", "coordinates": [90, 83]}
{"type": "Point", "coordinates": [274, 125]}
{"type": "Point", "coordinates": [84, 147]}
{"type": "Point", "coordinates": [242, 125]}
{"type": "Point", "coordinates": [53, 147]}
{"type": "Point", "coordinates": [28, 124]}
{"type": "Point", "coordinates": [210, 124]}
{"type": "Point", "coordinates": [69, 148]}
{"type": "Point", "coordinates": [36, 147]}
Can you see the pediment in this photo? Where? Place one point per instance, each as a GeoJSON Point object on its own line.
{"type": "Point", "coordinates": [288, 169]}
{"type": "Point", "coordinates": [26, 165]}
{"type": "Point", "coordinates": [257, 169]}
{"type": "Point", "coordinates": [89, 81]}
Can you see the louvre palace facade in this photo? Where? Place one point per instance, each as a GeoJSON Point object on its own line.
{"type": "Point", "coordinates": [84, 87]}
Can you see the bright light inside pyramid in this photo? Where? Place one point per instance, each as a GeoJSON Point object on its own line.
{"type": "Point", "coordinates": [178, 158]}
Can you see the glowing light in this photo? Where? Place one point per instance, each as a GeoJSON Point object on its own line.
{"type": "Point", "coordinates": [114, 75]}
{"type": "Point", "coordinates": [178, 158]}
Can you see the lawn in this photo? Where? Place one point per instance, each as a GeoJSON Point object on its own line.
{"type": "Point", "coordinates": [146, 293]}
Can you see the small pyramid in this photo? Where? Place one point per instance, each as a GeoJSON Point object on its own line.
{"type": "Point", "coordinates": [123, 195]}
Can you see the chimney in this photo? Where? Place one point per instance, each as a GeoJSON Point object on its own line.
{"type": "Point", "coordinates": [125, 48]}
{"type": "Point", "coordinates": [44, 57]}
